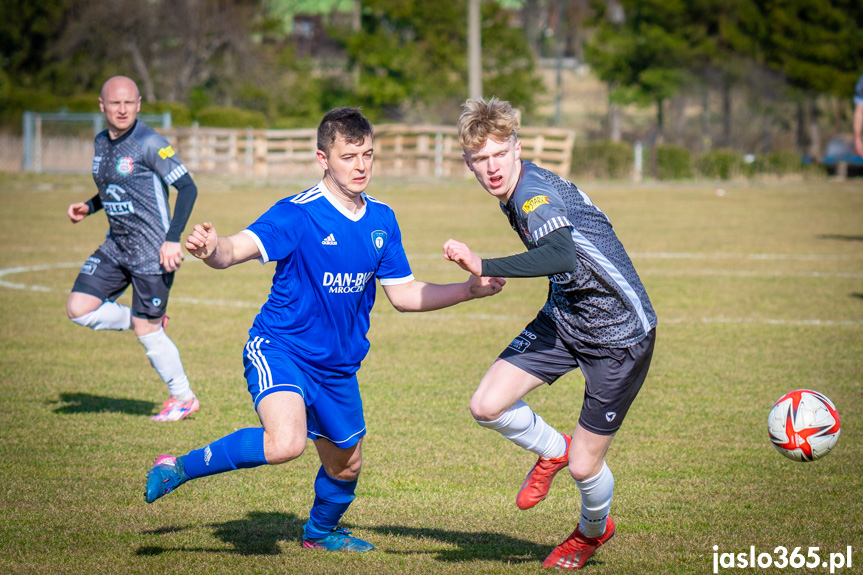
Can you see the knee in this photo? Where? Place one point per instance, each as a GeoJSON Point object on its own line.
{"type": "Point", "coordinates": [281, 449]}
{"type": "Point", "coordinates": [350, 472]}
{"type": "Point", "coordinates": [483, 411]}
{"type": "Point", "coordinates": [583, 469]}
{"type": "Point", "coordinates": [75, 310]}
{"type": "Point", "coordinates": [78, 305]}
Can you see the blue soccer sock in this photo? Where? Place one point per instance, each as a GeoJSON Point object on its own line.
{"type": "Point", "coordinates": [242, 449]}
{"type": "Point", "coordinates": [332, 499]}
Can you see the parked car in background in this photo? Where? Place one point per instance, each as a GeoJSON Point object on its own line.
{"type": "Point", "coordinates": [839, 156]}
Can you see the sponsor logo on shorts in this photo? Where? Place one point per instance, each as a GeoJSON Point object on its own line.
{"type": "Point", "coordinates": [528, 334]}
{"type": "Point", "coordinates": [208, 454]}
{"type": "Point", "coordinates": [125, 165]}
{"type": "Point", "coordinates": [379, 238]}
{"type": "Point", "coordinates": [346, 282]}
{"type": "Point", "coordinates": [534, 203]}
{"type": "Point", "coordinates": [157, 301]}
{"type": "Point", "coordinates": [96, 161]}
{"type": "Point", "coordinates": [89, 267]}
{"type": "Point", "coordinates": [609, 417]}
{"type": "Point", "coordinates": [166, 153]}
{"type": "Point", "coordinates": [519, 344]}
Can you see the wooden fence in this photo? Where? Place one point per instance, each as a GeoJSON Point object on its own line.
{"type": "Point", "coordinates": [400, 151]}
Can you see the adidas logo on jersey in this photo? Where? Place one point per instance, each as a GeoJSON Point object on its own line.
{"type": "Point", "coordinates": [330, 240]}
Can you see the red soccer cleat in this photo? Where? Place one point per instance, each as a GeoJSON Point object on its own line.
{"type": "Point", "coordinates": [577, 549]}
{"type": "Point", "coordinates": [538, 481]}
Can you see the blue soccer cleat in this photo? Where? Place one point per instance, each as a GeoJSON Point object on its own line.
{"type": "Point", "coordinates": [166, 475]}
{"type": "Point", "coordinates": [338, 540]}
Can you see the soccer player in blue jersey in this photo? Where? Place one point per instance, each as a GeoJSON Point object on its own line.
{"type": "Point", "coordinates": [133, 167]}
{"type": "Point", "coordinates": [597, 318]}
{"type": "Point", "coordinates": [329, 243]}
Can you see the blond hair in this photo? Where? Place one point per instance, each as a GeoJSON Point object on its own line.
{"type": "Point", "coordinates": [481, 120]}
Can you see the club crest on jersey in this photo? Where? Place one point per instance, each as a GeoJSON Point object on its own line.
{"type": "Point", "coordinates": [379, 238]}
{"type": "Point", "coordinates": [534, 203]}
{"type": "Point", "coordinates": [125, 165]}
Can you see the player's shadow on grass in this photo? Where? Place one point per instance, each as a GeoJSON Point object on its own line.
{"type": "Point", "coordinates": [843, 237]}
{"type": "Point", "coordinates": [258, 533]}
{"type": "Point", "coordinates": [471, 546]}
{"type": "Point", "coordinates": [69, 403]}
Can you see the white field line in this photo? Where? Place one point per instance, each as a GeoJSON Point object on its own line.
{"type": "Point", "coordinates": [472, 316]}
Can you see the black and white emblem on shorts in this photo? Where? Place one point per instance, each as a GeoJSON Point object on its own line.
{"type": "Point", "coordinates": [609, 416]}
{"type": "Point", "coordinates": [519, 344]}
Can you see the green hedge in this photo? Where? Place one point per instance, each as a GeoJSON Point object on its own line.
{"type": "Point", "coordinates": [602, 159]}
{"type": "Point", "coordinates": [82, 104]}
{"type": "Point", "coordinates": [673, 163]}
{"type": "Point", "coordinates": [230, 117]}
{"type": "Point", "coordinates": [722, 164]}
{"type": "Point", "coordinates": [779, 163]}
{"type": "Point", "coordinates": [17, 101]}
{"type": "Point", "coordinates": [180, 114]}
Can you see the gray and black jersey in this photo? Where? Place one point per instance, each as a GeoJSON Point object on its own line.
{"type": "Point", "coordinates": [132, 174]}
{"type": "Point", "coordinates": [601, 302]}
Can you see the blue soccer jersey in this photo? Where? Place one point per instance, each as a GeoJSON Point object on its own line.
{"type": "Point", "coordinates": [324, 285]}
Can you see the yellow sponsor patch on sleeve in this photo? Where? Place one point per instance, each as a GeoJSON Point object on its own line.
{"type": "Point", "coordinates": [534, 203]}
{"type": "Point", "coordinates": [166, 153]}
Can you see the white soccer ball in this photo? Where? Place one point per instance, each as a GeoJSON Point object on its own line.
{"type": "Point", "coordinates": [803, 425]}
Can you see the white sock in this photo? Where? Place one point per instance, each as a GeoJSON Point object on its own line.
{"type": "Point", "coordinates": [596, 494]}
{"type": "Point", "coordinates": [528, 430]}
{"type": "Point", "coordinates": [165, 358]}
{"type": "Point", "coordinates": [109, 315]}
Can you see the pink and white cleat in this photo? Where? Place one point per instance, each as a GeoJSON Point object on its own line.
{"type": "Point", "coordinates": [175, 410]}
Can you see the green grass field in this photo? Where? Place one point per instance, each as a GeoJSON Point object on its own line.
{"type": "Point", "coordinates": [758, 291]}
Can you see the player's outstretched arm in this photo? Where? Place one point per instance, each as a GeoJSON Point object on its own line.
{"type": "Point", "coordinates": [421, 296]}
{"type": "Point", "coordinates": [220, 252]}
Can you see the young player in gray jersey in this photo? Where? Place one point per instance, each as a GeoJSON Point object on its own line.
{"type": "Point", "coordinates": [133, 167]}
{"type": "Point", "coordinates": [597, 318]}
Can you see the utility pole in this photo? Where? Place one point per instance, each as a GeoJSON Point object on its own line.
{"type": "Point", "coordinates": [474, 50]}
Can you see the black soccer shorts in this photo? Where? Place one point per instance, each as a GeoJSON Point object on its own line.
{"type": "Point", "coordinates": [613, 376]}
{"type": "Point", "coordinates": [103, 278]}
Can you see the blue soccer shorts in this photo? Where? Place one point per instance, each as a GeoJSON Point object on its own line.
{"type": "Point", "coordinates": [334, 409]}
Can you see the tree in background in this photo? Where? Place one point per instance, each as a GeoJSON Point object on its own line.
{"type": "Point", "coordinates": [649, 54]}
{"type": "Point", "coordinates": [169, 46]}
{"type": "Point", "coordinates": [27, 30]}
{"type": "Point", "coordinates": [815, 45]}
{"type": "Point", "coordinates": [411, 58]}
